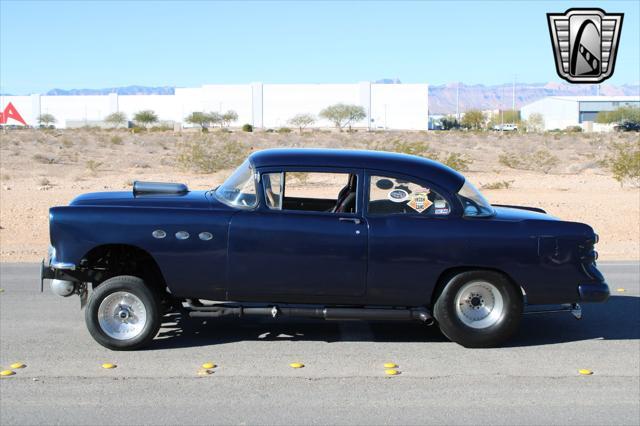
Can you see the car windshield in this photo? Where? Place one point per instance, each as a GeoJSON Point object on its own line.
{"type": "Point", "coordinates": [474, 202]}
{"type": "Point", "coordinates": [239, 190]}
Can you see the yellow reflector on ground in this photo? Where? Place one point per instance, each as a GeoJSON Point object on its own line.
{"type": "Point", "coordinates": [585, 372]}
{"type": "Point", "coordinates": [390, 365]}
{"type": "Point", "coordinates": [108, 365]}
{"type": "Point", "coordinates": [391, 372]}
{"type": "Point", "coordinates": [208, 365]}
{"type": "Point", "coordinates": [204, 372]}
{"type": "Point", "coordinates": [7, 373]}
{"type": "Point", "coordinates": [620, 290]}
{"type": "Point", "coordinates": [17, 365]}
{"type": "Point", "coordinates": [296, 365]}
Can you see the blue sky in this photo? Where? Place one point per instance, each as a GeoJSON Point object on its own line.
{"type": "Point", "coordinates": [45, 45]}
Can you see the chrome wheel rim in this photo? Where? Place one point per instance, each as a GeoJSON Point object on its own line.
{"type": "Point", "coordinates": [479, 304]}
{"type": "Point", "coordinates": [122, 315]}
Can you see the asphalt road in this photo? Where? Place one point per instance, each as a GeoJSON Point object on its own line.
{"type": "Point", "coordinates": [533, 380]}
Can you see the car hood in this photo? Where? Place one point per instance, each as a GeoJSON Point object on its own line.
{"type": "Point", "coordinates": [517, 213]}
{"type": "Point", "coordinates": [188, 200]}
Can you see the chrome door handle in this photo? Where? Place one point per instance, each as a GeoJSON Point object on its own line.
{"type": "Point", "coordinates": [350, 219]}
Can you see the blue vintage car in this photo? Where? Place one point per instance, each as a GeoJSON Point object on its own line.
{"type": "Point", "coordinates": [333, 234]}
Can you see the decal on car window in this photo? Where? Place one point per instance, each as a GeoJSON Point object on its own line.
{"type": "Point", "coordinates": [398, 195]}
{"type": "Point", "coordinates": [441, 211]}
{"type": "Point", "coordinates": [420, 201]}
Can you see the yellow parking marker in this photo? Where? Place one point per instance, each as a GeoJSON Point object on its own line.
{"type": "Point", "coordinates": [108, 365]}
{"type": "Point", "coordinates": [208, 365]}
{"type": "Point", "coordinates": [585, 372]}
{"type": "Point", "coordinates": [17, 365]}
{"type": "Point", "coordinates": [7, 373]}
{"type": "Point", "coordinates": [620, 290]}
{"type": "Point", "coordinates": [391, 372]}
{"type": "Point", "coordinates": [204, 372]}
{"type": "Point", "coordinates": [296, 365]}
{"type": "Point", "coordinates": [390, 365]}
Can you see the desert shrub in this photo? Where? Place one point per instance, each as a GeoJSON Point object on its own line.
{"type": "Point", "coordinates": [161, 128]}
{"type": "Point", "coordinates": [410, 147]}
{"type": "Point", "coordinates": [284, 130]}
{"type": "Point", "coordinates": [505, 184]}
{"type": "Point", "coordinates": [247, 128]}
{"type": "Point", "coordinates": [457, 161]}
{"type": "Point", "coordinates": [511, 160]}
{"type": "Point", "coordinates": [624, 161]}
{"type": "Point", "coordinates": [43, 181]}
{"type": "Point", "coordinates": [116, 140]}
{"type": "Point", "coordinates": [93, 165]}
{"type": "Point", "coordinates": [204, 156]}
{"type": "Point", "coordinates": [44, 159]}
{"type": "Point", "coordinates": [543, 160]}
{"type": "Point", "coordinates": [573, 129]}
{"type": "Point", "coordinates": [67, 143]}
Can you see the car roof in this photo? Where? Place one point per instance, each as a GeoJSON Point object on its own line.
{"type": "Point", "coordinates": [391, 162]}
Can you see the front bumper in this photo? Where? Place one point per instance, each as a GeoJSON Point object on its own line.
{"type": "Point", "coordinates": [594, 292]}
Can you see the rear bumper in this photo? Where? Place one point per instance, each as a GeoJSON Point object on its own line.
{"type": "Point", "coordinates": [593, 292]}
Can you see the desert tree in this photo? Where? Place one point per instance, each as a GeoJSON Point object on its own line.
{"type": "Point", "coordinates": [146, 117]}
{"type": "Point", "coordinates": [342, 115]}
{"type": "Point", "coordinates": [535, 122]}
{"type": "Point", "coordinates": [623, 114]}
{"type": "Point", "coordinates": [228, 117]}
{"type": "Point", "coordinates": [116, 119]}
{"type": "Point", "coordinates": [302, 120]}
{"type": "Point", "coordinates": [473, 119]}
{"type": "Point", "coordinates": [46, 120]}
{"type": "Point", "coordinates": [449, 122]}
{"type": "Point", "coordinates": [199, 118]}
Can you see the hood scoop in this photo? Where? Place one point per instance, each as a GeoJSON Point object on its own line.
{"type": "Point", "coordinates": [159, 188]}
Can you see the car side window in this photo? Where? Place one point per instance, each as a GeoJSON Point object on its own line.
{"type": "Point", "coordinates": [389, 195]}
{"type": "Point", "coordinates": [311, 191]}
{"type": "Point", "coordinates": [273, 184]}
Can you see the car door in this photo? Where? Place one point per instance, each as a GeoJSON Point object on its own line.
{"type": "Point", "coordinates": [410, 238]}
{"type": "Point", "coordinates": [294, 247]}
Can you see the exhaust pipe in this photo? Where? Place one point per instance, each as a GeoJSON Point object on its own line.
{"type": "Point", "coordinates": [330, 314]}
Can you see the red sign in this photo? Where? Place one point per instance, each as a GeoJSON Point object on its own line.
{"type": "Point", "coordinates": [11, 112]}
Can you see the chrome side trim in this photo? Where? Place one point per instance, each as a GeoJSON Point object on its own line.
{"type": "Point", "coordinates": [63, 265]}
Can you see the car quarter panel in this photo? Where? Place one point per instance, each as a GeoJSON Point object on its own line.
{"type": "Point", "coordinates": [192, 267]}
{"type": "Point", "coordinates": [408, 254]}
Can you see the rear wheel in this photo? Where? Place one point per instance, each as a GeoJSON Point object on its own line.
{"type": "Point", "coordinates": [123, 313]}
{"type": "Point", "coordinates": [479, 309]}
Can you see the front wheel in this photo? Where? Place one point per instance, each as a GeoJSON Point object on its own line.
{"type": "Point", "coordinates": [479, 309]}
{"type": "Point", "coordinates": [123, 313]}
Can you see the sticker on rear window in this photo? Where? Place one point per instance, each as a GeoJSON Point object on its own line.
{"type": "Point", "coordinates": [398, 195]}
{"type": "Point", "coordinates": [420, 201]}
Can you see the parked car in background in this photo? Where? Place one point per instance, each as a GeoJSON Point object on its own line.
{"type": "Point", "coordinates": [627, 126]}
{"type": "Point", "coordinates": [508, 127]}
{"type": "Point", "coordinates": [333, 234]}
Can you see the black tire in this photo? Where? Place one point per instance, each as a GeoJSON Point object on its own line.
{"type": "Point", "coordinates": [506, 323]}
{"type": "Point", "coordinates": [137, 287]}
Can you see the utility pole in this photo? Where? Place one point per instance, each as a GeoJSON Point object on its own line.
{"type": "Point", "coordinates": [458, 102]}
{"type": "Point", "coordinates": [513, 103]}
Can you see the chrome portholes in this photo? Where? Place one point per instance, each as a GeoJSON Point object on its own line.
{"type": "Point", "coordinates": [205, 236]}
{"type": "Point", "coordinates": [182, 235]}
{"type": "Point", "coordinates": [159, 233]}
{"type": "Point", "coordinates": [479, 304]}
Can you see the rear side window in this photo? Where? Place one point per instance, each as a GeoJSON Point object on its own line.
{"type": "Point", "coordinates": [389, 195]}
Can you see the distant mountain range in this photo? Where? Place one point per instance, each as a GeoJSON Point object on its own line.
{"type": "Point", "coordinates": [129, 90]}
{"type": "Point", "coordinates": [442, 99]}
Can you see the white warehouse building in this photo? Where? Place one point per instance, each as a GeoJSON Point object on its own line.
{"type": "Point", "coordinates": [560, 112]}
{"type": "Point", "coordinates": [388, 106]}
